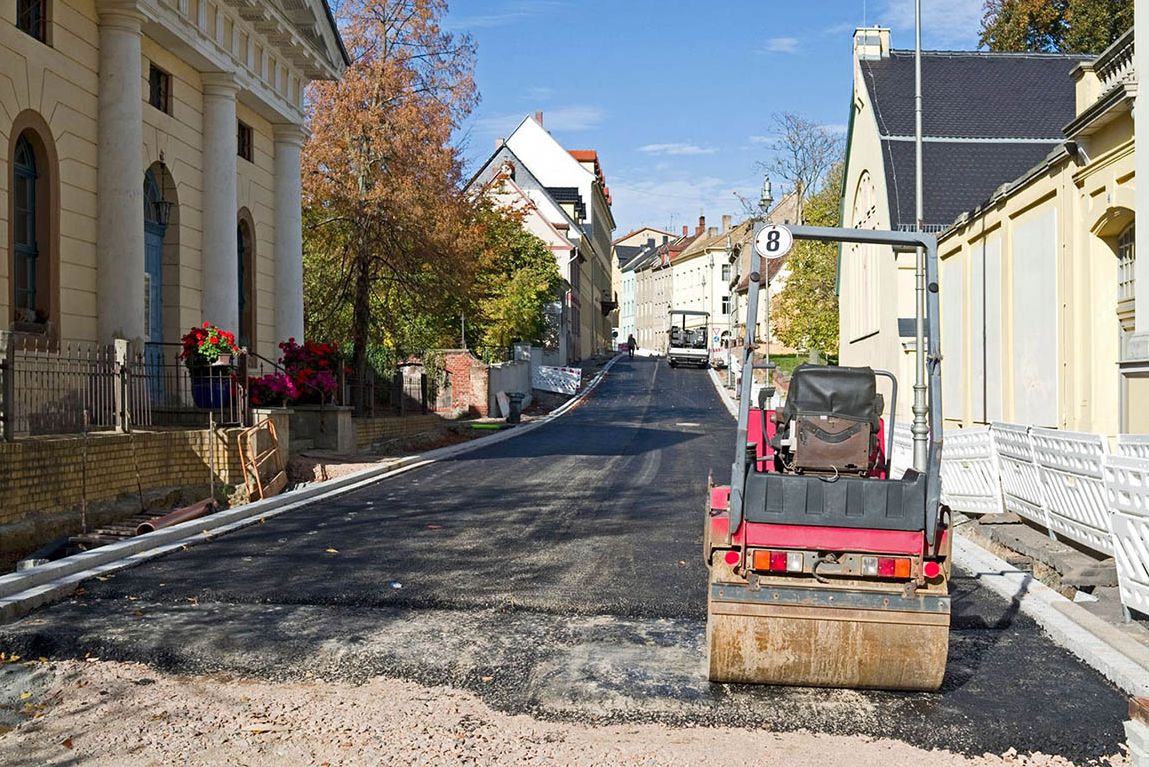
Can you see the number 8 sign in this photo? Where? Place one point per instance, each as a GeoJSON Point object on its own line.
{"type": "Point", "coordinates": [774, 241]}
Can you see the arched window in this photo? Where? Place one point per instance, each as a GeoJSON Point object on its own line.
{"type": "Point", "coordinates": [246, 253]}
{"type": "Point", "coordinates": [25, 230]}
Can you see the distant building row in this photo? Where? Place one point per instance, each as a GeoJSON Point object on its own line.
{"type": "Point", "coordinates": [701, 270]}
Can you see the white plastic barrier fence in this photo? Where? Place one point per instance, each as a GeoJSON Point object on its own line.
{"type": "Point", "coordinates": [1020, 479]}
{"type": "Point", "coordinates": [969, 472]}
{"type": "Point", "coordinates": [1072, 468]}
{"type": "Point", "coordinates": [1133, 445]}
{"type": "Point", "coordinates": [560, 380]}
{"type": "Point", "coordinates": [1127, 492]}
{"type": "Point", "coordinates": [902, 456]}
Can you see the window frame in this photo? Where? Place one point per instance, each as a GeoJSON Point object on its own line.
{"type": "Point", "coordinates": [25, 254]}
{"type": "Point", "coordinates": [245, 141]}
{"type": "Point", "coordinates": [159, 88]}
{"type": "Point", "coordinates": [38, 29]}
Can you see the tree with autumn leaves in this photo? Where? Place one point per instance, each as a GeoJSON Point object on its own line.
{"type": "Point", "coordinates": [1051, 26]}
{"type": "Point", "coordinates": [394, 252]}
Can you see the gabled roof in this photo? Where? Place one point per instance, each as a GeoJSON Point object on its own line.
{"type": "Point", "coordinates": [503, 154]}
{"type": "Point", "coordinates": [986, 117]}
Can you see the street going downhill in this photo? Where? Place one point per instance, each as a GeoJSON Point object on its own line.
{"type": "Point", "coordinates": [557, 574]}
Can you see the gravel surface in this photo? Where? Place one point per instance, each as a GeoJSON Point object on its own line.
{"type": "Point", "coordinates": [100, 713]}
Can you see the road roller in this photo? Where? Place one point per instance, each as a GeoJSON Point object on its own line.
{"type": "Point", "coordinates": [829, 566]}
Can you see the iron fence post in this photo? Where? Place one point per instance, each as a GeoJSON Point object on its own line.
{"type": "Point", "coordinates": [423, 392]}
{"type": "Point", "coordinates": [241, 390]}
{"type": "Point", "coordinates": [120, 386]}
{"type": "Point", "coordinates": [8, 393]}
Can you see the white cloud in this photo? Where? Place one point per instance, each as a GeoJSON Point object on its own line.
{"type": "Point", "coordinates": [947, 22]}
{"type": "Point", "coordinates": [672, 202]}
{"type": "Point", "coordinates": [764, 139]}
{"type": "Point", "coordinates": [568, 119]}
{"type": "Point", "coordinates": [502, 15]}
{"type": "Point", "coordinates": [835, 128]}
{"type": "Point", "coordinates": [676, 149]}
{"type": "Point", "coordinates": [781, 45]}
{"type": "Point", "coordinates": [540, 92]}
{"type": "Point", "coordinates": [573, 118]}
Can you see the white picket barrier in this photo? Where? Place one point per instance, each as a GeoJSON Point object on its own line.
{"type": "Point", "coordinates": [902, 456]}
{"type": "Point", "coordinates": [1127, 491]}
{"type": "Point", "coordinates": [1133, 445]}
{"type": "Point", "coordinates": [1020, 479]}
{"type": "Point", "coordinates": [970, 481]}
{"type": "Point", "coordinates": [1072, 467]}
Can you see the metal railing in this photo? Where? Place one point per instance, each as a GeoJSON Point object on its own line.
{"type": "Point", "coordinates": [49, 388]}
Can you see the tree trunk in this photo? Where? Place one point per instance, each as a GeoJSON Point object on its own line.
{"type": "Point", "coordinates": [360, 326]}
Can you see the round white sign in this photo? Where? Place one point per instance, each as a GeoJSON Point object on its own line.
{"type": "Point", "coordinates": [774, 241]}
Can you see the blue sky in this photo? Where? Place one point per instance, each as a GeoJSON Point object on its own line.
{"type": "Point", "coordinates": [677, 96]}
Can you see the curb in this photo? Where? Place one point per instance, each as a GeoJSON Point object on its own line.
{"type": "Point", "coordinates": [1089, 638]}
{"type": "Point", "coordinates": [727, 400]}
{"type": "Point", "coordinates": [26, 590]}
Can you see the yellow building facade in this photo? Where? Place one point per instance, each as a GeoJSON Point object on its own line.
{"type": "Point", "coordinates": [149, 165]}
{"type": "Point", "coordinates": [1038, 284]}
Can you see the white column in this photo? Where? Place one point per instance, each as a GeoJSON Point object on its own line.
{"type": "Point", "coordinates": [1139, 344]}
{"type": "Point", "coordinates": [288, 233]}
{"type": "Point", "coordinates": [220, 208]}
{"type": "Point", "coordinates": [120, 175]}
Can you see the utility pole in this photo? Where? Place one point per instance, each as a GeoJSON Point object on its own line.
{"type": "Point", "coordinates": [920, 428]}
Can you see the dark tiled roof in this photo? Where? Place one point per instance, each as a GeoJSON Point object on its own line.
{"type": "Point", "coordinates": [563, 194]}
{"type": "Point", "coordinates": [974, 95]}
{"type": "Point", "coordinates": [1015, 105]}
{"type": "Point", "coordinates": [955, 176]}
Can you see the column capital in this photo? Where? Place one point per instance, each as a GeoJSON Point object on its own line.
{"type": "Point", "coordinates": [290, 133]}
{"type": "Point", "coordinates": [125, 14]}
{"type": "Point", "coordinates": [219, 83]}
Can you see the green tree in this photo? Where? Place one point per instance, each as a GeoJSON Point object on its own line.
{"type": "Point", "coordinates": [386, 222]}
{"type": "Point", "coordinates": [518, 278]}
{"type": "Point", "coordinates": [805, 313]}
{"type": "Point", "coordinates": [1066, 26]}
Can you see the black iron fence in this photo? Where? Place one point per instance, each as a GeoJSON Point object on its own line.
{"type": "Point", "coordinates": [51, 388]}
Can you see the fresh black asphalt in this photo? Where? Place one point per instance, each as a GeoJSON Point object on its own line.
{"type": "Point", "coordinates": [558, 574]}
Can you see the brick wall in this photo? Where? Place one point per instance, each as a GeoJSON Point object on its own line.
{"type": "Point", "coordinates": [44, 476]}
{"type": "Point", "coordinates": [468, 382]}
{"type": "Point", "coordinates": [368, 431]}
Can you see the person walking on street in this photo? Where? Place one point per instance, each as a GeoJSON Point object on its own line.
{"type": "Point", "coordinates": [630, 344]}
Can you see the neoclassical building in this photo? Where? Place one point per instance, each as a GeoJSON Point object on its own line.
{"type": "Point", "coordinates": [149, 165]}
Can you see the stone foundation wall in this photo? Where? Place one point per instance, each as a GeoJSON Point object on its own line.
{"type": "Point", "coordinates": [368, 431]}
{"type": "Point", "coordinates": [42, 480]}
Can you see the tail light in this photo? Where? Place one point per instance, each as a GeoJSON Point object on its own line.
{"type": "Point", "coordinates": [779, 561]}
{"type": "Point", "coordinates": [931, 569]}
{"type": "Point", "coordinates": [887, 567]}
{"type": "Point", "coordinates": [733, 557]}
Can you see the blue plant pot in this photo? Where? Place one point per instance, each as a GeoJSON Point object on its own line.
{"type": "Point", "coordinates": [211, 390]}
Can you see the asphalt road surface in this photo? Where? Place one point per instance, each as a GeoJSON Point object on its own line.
{"type": "Point", "coordinates": [557, 574]}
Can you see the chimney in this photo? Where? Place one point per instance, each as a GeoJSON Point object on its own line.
{"type": "Point", "coordinates": [539, 117]}
{"type": "Point", "coordinates": [701, 225]}
{"type": "Point", "coordinates": [726, 223]}
{"type": "Point", "coordinates": [685, 230]}
{"type": "Point", "coordinates": [499, 143]}
{"type": "Point", "coordinates": [871, 43]}
{"type": "Point", "coordinates": [712, 231]}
